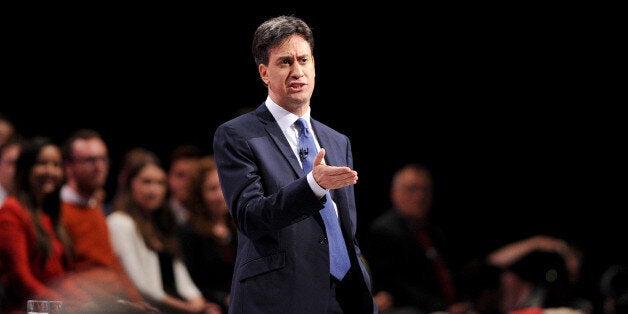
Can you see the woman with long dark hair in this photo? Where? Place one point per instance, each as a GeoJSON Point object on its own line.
{"type": "Point", "coordinates": [143, 235]}
{"type": "Point", "coordinates": [34, 246]}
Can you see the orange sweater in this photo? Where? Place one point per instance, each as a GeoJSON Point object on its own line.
{"type": "Point", "coordinates": [88, 229]}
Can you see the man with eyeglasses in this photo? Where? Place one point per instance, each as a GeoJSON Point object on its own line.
{"type": "Point", "coordinates": [86, 165]}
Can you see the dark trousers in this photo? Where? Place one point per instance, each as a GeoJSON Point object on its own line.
{"type": "Point", "coordinates": [349, 295]}
{"type": "Point", "coordinates": [334, 306]}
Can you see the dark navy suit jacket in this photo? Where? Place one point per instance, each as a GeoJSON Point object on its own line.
{"type": "Point", "coordinates": [282, 262]}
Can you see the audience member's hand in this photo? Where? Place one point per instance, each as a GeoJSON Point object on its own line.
{"type": "Point", "coordinates": [212, 308]}
{"type": "Point", "coordinates": [384, 301]}
{"type": "Point", "coordinates": [197, 305]}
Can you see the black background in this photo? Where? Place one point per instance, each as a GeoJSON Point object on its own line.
{"type": "Point", "coordinates": [516, 110]}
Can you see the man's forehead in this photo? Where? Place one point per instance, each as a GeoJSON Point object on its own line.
{"type": "Point", "coordinates": [291, 46]}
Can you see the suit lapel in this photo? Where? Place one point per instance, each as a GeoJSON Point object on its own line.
{"type": "Point", "coordinates": [277, 136]}
{"type": "Point", "coordinates": [333, 153]}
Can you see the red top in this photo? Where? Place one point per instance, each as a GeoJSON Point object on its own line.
{"type": "Point", "coordinates": [98, 279]}
{"type": "Point", "coordinates": [24, 271]}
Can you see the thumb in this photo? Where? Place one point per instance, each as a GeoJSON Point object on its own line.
{"type": "Point", "coordinates": [319, 158]}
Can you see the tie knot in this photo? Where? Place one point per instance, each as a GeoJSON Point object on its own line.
{"type": "Point", "coordinates": [302, 126]}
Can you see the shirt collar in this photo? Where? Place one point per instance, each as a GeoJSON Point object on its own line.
{"type": "Point", "coordinates": [70, 196]}
{"type": "Point", "coordinates": [285, 118]}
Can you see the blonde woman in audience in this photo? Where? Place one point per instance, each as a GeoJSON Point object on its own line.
{"type": "Point", "coordinates": [143, 234]}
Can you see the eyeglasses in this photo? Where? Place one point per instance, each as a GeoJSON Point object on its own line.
{"type": "Point", "coordinates": [91, 160]}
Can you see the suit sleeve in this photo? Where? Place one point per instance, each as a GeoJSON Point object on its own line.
{"type": "Point", "coordinates": [262, 190]}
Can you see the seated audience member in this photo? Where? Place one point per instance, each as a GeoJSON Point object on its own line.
{"type": "Point", "coordinates": [7, 128]}
{"type": "Point", "coordinates": [143, 234]}
{"type": "Point", "coordinates": [539, 273]}
{"type": "Point", "coordinates": [35, 248]}
{"type": "Point", "coordinates": [183, 166]}
{"type": "Point", "coordinates": [407, 252]}
{"type": "Point", "coordinates": [208, 238]}
{"type": "Point", "coordinates": [9, 151]}
{"type": "Point", "coordinates": [31, 246]}
{"type": "Point", "coordinates": [86, 164]}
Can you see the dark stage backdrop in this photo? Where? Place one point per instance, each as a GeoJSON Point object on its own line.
{"type": "Point", "coordinates": [515, 110]}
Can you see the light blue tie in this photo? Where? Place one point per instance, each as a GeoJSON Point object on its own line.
{"type": "Point", "coordinates": [338, 256]}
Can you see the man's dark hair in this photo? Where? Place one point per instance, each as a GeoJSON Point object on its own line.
{"type": "Point", "coordinates": [272, 32]}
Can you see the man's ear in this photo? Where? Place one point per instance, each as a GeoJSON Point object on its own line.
{"type": "Point", "coordinates": [263, 73]}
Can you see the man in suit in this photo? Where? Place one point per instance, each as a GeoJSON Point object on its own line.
{"type": "Point", "coordinates": [407, 251]}
{"type": "Point", "coordinates": [283, 259]}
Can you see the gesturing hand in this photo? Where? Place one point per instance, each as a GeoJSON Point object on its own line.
{"type": "Point", "coordinates": [332, 177]}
